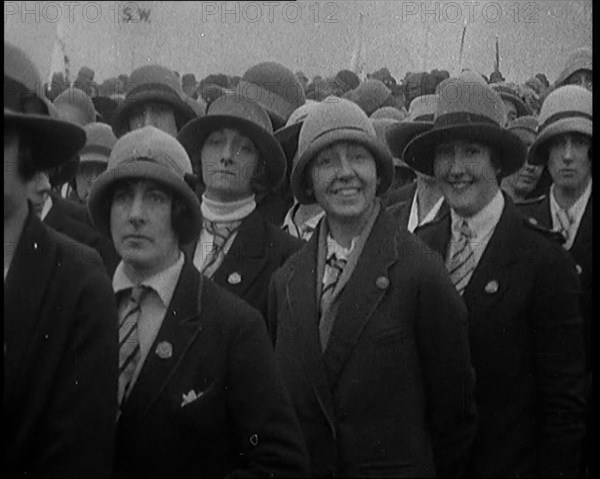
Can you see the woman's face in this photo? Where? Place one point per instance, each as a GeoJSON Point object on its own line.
{"type": "Point", "coordinates": [229, 164]}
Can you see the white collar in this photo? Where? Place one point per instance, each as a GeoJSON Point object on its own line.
{"type": "Point", "coordinates": [221, 212]}
{"type": "Point", "coordinates": [483, 222]}
{"type": "Point", "coordinates": [578, 208]}
{"type": "Point", "coordinates": [163, 282]}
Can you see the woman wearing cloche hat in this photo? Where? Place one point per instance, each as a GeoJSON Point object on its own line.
{"type": "Point", "coordinates": [518, 284]}
{"type": "Point", "coordinates": [237, 159]}
{"type": "Point", "coordinates": [359, 299]}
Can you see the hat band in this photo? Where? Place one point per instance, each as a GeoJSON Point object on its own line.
{"type": "Point", "coordinates": [461, 118]}
{"type": "Point", "coordinates": [563, 115]}
{"type": "Point", "coordinates": [18, 98]}
{"type": "Point", "coordinates": [152, 87]}
{"type": "Point", "coordinates": [171, 166]}
{"type": "Point", "coordinates": [102, 150]}
{"type": "Point", "coordinates": [353, 128]}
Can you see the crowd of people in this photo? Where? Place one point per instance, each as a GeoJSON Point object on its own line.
{"type": "Point", "coordinates": [262, 276]}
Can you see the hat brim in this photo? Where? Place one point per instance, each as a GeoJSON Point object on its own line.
{"type": "Point", "coordinates": [538, 154]}
{"type": "Point", "coordinates": [193, 135]}
{"type": "Point", "coordinates": [381, 154]}
{"type": "Point", "coordinates": [522, 108]}
{"type": "Point", "coordinates": [420, 151]}
{"type": "Point", "coordinates": [288, 139]}
{"type": "Point", "coordinates": [99, 204]}
{"type": "Point", "coordinates": [400, 134]}
{"type": "Point", "coordinates": [53, 141]}
{"type": "Point", "coordinates": [183, 112]}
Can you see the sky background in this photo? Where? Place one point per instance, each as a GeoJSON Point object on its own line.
{"type": "Point", "coordinates": [318, 38]}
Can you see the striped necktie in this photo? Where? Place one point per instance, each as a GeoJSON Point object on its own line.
{"type": "Point", "coordinates": [461, 263]}
{"type": "Point", "coordinates": [334, 268]}
{"type": "Point", "coordinates": [221, 232]}
{"type": "Point", "coordinates": [129, 343]}
{"type": "Point", "coordinates": [565, 222]}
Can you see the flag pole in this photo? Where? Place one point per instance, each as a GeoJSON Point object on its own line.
{"type": "Point", "coordinates": [462, 47]}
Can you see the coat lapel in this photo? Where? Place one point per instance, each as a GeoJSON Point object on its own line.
{"type": "Point", "coordinates": [583, 238]}
{"type": "Point", "coordinates": [302, 302]}
{"type": "Point", "coordinates": [491, 276]}
{"type": "Point", "coordinates": [24, 291]}
{"type": "Point", "coordinates": [181, 325]}
{"type": "Point", "coordinates": [246, 257]}
{"type": "Point", "coordinates": [378, 255]}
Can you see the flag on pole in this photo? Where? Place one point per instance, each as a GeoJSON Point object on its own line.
{"type": "Point", "coordinates": [357, 63]}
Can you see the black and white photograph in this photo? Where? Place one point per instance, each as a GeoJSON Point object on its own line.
{"type": "Point", "coordinates": [298, 239]}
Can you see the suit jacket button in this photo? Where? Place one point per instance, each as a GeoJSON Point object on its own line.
{"type": "Point", "coordinates": [579, 269]}
{"type": "Point", "coordinates": [382, 282]}
{"type": "Point", "coordinates": [533, 221]}
{"type": "Point", "coordinates": [234, 278]}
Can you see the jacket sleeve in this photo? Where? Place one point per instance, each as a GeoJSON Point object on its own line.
{"type": "Point", "coordinates": [443, 339]}
{"type": "Point", "coordinates": [82, 411]}
{"type": "Point", "coordinates": [270, 440]}
{"type": "Point", "coordinates": [559, 363]}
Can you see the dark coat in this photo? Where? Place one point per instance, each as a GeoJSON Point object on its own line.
{"type": "Point", "coordinates": [392, 395]}
{"type": "Point", "coordinates": [72, 219]}
{"type": "Point", "coordinates": [581, 251]}
{"type": "Point", "coordinates": [60, 359]}
{"type": "Point", "coordinates": [256, 252]}
{"type": "Point", "coordinates": [527, 350]}
{"type": "Point", "coordinates": [401, 195]}
{"type": "Point", "coordinates": [242, 426]}
{"type": "Point", "coordinates": [401, 210]}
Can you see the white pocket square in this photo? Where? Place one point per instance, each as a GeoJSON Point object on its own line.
{"type": "Point", "coordinates": [190, 397]}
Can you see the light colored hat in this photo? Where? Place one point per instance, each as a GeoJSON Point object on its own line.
{"type": "Point", "coordinates": [75, 106]}
{"type": "Point", "coordinates": [288, 135]}
{"type": "Point", "coordinates": [53, 141]}
{"type": "Point", "coordinates": [470, 111]}
{"type": "Point", "coordinates": [419, 120]}
{"type": "Point", "coordinates": [333, 120]}
{"type": "Point", "coordinates": [390, 112]}
{"type": "Point", "coordinates": [580, 59]}
{"type": "Point", "coordinates": [234, 111]}
{"type": "Point", "coordinates": [567, 109]}
{"type": "Point", "coordinates": [151, 154]}
{"type": "Point", "coordinates": [275, 88]}
{"type": "Point", "coordinates": [100, 142]}
{"type": "Point", "coordinates": [528, 123]}
{"type": "Point", "coordinates": [152, 83]}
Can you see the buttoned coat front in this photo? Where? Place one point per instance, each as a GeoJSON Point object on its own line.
{"type": "Point", "coordinates": [208, 401]}
{"type": "Point", "coordinates": [392, 394]}
{"type": "Point", "coordinates": [527, 350]}
{"type": "Point", "coordinates": [60, 359]}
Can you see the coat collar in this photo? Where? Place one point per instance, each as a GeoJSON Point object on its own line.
{"type": "Point", "coordinates": [181, 325]}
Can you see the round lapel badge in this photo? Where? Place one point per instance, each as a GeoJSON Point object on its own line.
{"type": "Point", "coordinates": [382, 282]}
{"type": "Point", "coordinates": [491, 287]}
{"type": "Point", "coordinates": [234, 278]}
{"type": "Point", "coordinates": [579, 269]}
{"type": "Point", "coordinates": [164, 350]}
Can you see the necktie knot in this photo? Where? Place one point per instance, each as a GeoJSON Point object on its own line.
{"type": "Point", "coordinates": [465, 230]}
{"type": "Point", "coordinates": [138, 293]}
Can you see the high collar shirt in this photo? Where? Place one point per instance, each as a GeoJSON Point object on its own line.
{"type": "Point", "coordinates": [575, 212]}
{"type": "Point", "coordinates": [413, 219]}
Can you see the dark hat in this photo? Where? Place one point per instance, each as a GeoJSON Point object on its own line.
{"type": "Point", "coordinates": [147, 153]}
{"type": "Point", "coordinates": [275, 88]}
{"type": "Point", "coordinates": [332, 120]}
{"type": "Point", "coordinates": [509, 93]}
{"type": "Point", "coordinates": [568, 109]}
{"type": "Point", "coordinates": [234, 111]}
{"type": "Point", "coordinates": [382, 127]}
{"type": "Point", "coordinates": [106, 108]}
{"type": "Point", "coordinates": [152, 83]}
{"type": "Point", "coordinates": [470, 111]}
{"type": "Point", "coordinates": [348, 79]}
{"type": "Point", "coordinates": [53, 141]}
{"type": "Point", "coordinates": [528, 123]}
{"type": "Point", "coordinates": [370, 95]}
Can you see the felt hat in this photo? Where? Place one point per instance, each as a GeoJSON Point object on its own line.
{"type": "Point", "coordinates": [52, 141]}
{"type": "Point", "coordinates": [150, 154]}
{"type": "Point", "coordinates": [382, 127]}
{"type": "Point", "coordinates": [419, 120]}
{"type": "Point", "coordinates": [568, 109]}
{"type": "Point", "coordinates": [511, 94]}
{"type": "Point", "coordinates": [370, 95]}
{"type": "Point", "coordinates": [469, 111]}
{"type": "Point", "coordinates": [275, 88]}
{"type": "Point", "coordinates": [390, 112]}
{"type": "Point", "coordinates": [235, 111]}
{"type": "Point", "coordinates": [76, 106]}
{"type": "Point", "coordinates": [580, 59]}
{"type": "Point", "coordinates": [333, 120]}
{"type": "Point", "coordinates": [288, 135]}
{"type": "Point", "coordinates": [99, 144]}
{"type": "Point", "coordinates": [152, 83]}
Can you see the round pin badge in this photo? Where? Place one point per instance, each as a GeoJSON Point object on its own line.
{"type": "Point", "coordinates": [164, 350]}
{"type": "Point", "coordinates": [492, 287]}
{"type": "Point", "coordinates": [234, 278]}
{"type": "Point", "coordinates": [382, 282]}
